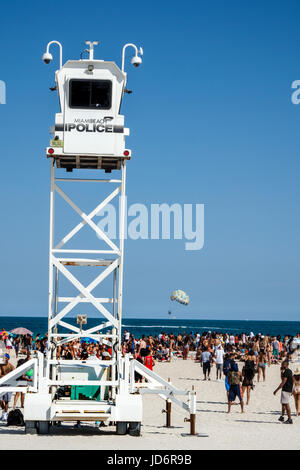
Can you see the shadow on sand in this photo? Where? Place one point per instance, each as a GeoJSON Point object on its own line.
{"type": "Point", "coordinates": [20, 430]}
{"type": "Point", "coordinates": [255, 421]}
{"type": "Point", "coordinates": [84, 430]}
{"type": "Point", "coordinates": [211, 411]}
{"type": "Point", "coordinates": [213, 402]}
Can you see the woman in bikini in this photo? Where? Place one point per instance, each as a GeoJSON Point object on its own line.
{"type": "Point", "coordinates": [296, 390]}
{"type": "Point", "coordinates": [269, 352]}
{"type": "Point", "coordinates": [261, 364]}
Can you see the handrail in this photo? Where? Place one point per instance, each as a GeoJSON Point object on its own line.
{"type": "Point", "coordinates": [11, 382]}
{"type": "Point", "coordinates": [18, 371]}
{"type": "Point", "coordinates": [155, 380]}
{"type": "Point", "coordinates": [147, 373]}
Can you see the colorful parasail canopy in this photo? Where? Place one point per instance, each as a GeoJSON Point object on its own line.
{"type": "Point", "coordinates": [180, 296]}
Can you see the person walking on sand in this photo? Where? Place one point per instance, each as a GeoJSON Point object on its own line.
{"type": "Point", "coordinates": [275, 345]}
{"type": "Point", "coordinates": [186, 348]}
{"type": "Point", "coordinates": [248, 373]}
{"type": "Point", "coordinates": [206, 358]}
{"type": "Point", "coordinates": [286, 387]}
{"type": "Point", "coordinates": [296, 390]}
{"type": "Point", "coordinates": [261, 364]}
{"type": "Point", "coordinates": [226, 369]}
{"type": "Point", "coordinates": [269, 352]}
{"type": "Point", "coordinates": [219, 355]}
{"type": "Point", "coordinates": [234, 379]}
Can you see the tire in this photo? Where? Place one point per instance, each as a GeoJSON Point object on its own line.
{"type": "Point", "coordinates": [43, 427]}
{"type": "Point", "coordinates": [30, 427]}
{"type": "Point", "coordinates": [135, 428]}
{"type": "Point", "coordinates": [122, 427]}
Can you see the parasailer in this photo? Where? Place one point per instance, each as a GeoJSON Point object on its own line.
{"type": "Point", "coordinates": [180, 296]}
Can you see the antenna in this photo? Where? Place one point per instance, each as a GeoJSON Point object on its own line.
{"type": "Point", "coordinates": [91, 50]}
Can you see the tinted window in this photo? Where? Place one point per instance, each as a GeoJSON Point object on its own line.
{"type": "Point", "coordinates": [94, 94]}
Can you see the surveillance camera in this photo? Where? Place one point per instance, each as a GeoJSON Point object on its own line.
{"type": "Point", "coordinates": [136, 61]}
{"type": "Point", "coordinates": [47, 57]}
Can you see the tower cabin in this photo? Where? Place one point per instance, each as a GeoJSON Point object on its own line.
{"type": "Point", "coordinates": [89, 130]}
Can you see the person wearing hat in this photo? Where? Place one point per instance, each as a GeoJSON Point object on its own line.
{"type": "Point", "coordinates": [296, 390]}
{"type": "Point", "coordinates": [5, 397]}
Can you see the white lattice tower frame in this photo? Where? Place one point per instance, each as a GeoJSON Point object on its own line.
{"type": "Point", "coordinates": [58, 263]}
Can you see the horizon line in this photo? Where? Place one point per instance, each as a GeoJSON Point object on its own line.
{"type": "Point", "coordinates": [161, 318]}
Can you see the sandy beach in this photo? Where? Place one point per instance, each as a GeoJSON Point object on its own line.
{"type": "Point", "coordinates": [257, 428]}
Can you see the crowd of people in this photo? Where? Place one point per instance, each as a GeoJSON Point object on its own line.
{"type": "Point", "coordinates": [24, 343]}
{"type": "Point", "coordinates": [225, 351]}
{"type": "Point", "coordinates": [165, 347]}
{"type": "Point", "coordinates": [254, 352]}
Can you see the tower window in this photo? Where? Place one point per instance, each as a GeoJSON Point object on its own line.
{"type": "Point", "coordinates": [90, 94]}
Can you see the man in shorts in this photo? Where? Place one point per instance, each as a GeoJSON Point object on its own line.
{"type": "Point", "coordinates": [286, 387]}
{"type": "Point", "coordinates": [6, 397]}
{"type": "Point", "coordinates": [234, 377]}
{"type": "Point", "coordinates": [205, 361]}
{"type": "Point", "coordinates": [219, 355]}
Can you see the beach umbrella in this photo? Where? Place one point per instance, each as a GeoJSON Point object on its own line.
{"type": "Point", "coordinates": [21, 331]}
{"type": "Point", "coordinates": [180, 296]}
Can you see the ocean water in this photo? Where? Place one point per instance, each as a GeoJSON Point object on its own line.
{"type": "Point", "coordinates": [146, 326]}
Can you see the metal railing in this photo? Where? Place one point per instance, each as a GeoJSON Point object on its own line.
{"type": "Point", "coordinates": [159, 386]}
{"type": "Point", "coordinates": [11, 382]}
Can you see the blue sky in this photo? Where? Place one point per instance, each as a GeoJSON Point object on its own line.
{"type": "Point", "coordinates": [211, 122]}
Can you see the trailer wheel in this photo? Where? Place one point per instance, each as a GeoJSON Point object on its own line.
{"type": "Point", "coordinates": [43, 427]}
{"type": "Point", "coordinates": [122, 427]}
{"type": "Point", "coordinates": [30, 427]}
{"type": "Point", "coordinates": [135, 428]}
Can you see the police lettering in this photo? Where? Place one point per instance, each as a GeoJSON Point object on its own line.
{"type": "Point", "coordinates": [81, 127]}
